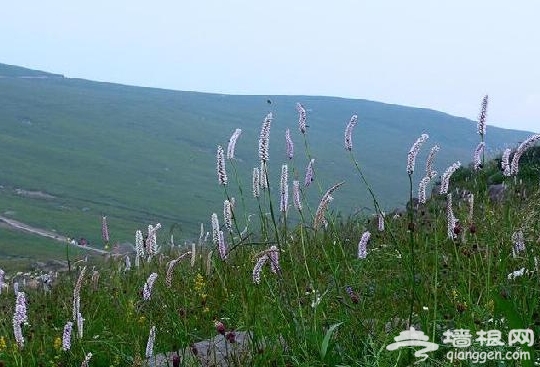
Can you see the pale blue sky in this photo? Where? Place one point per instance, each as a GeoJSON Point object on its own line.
{"type": "Point", "coordinates": [435, 54]}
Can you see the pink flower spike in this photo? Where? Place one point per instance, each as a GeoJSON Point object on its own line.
{"type": "Point", "coordinates": [284, 189]}
{"type": "Point", "coordinates": [264, 138]}
{"type": "Point", "coordinates": [477, 158]}
{"type": "Point", "coordinates": [348, 132]}
{"type": "Point", "coordinates": [220, 167]}
{"type": "Point", "coordinates": [482, 117]}
{"type": "Point", "coordinates": [232, 143]}
{"type": "Point", "coordinates": [309, 173]}
{"type": "Point", "coordinates": [257, 269]}
{"type": "Point", "coordinates": [301, 118]}
{"type": "Point", "coordinates": [413, 152]}
{"type": "Point", "coordinates": [273, 256]}
{"type": "Point", "coordinates": [362, 245]}
{"type": "Point", "coordinates": [296, 195]}
{"type": "Point", "coordinates": [104, 229]}
{"type": "Point", "coordinates": [289, 144]}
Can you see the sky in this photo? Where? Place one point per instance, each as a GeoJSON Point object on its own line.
{"type": "Point", "coordinates": [443, 55]}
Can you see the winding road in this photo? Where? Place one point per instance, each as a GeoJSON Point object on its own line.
{"type": "Point", "coordinates": [44, 233]}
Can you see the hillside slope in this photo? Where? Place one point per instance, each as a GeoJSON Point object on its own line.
{"type": "Point", "coordinates": [143, 155]}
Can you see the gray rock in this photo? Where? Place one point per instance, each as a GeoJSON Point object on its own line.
{"type": "Point", "coordinates": [496, 192]}
{"type": "Point", "coordinates": [218, 351]}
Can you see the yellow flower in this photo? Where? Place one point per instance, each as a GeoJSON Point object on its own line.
{"type": "Point", "coordinates": [3, 344]}
{"type": "Point", "coordinates": [57, 343]}
{"type": "Point", "coordinates": [490, 306]}
{"type": "Point", "coordinates": [130, 308]}
{"type": "Point", "coordinates": [199, 283]}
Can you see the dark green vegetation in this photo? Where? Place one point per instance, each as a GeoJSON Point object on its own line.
{"type": "Point", "coordinates": [141, 155]}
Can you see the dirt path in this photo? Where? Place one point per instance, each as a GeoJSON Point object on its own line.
{"type": "Point", "coordinates": [44, 233]}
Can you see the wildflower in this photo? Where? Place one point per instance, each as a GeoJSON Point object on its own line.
{"type": "Point", "coordinates": [127, 263]}
{"type": "Point", "coordinates": [446, 177]}
{"type": "Point", "coordinates": [362, 245]}
{"type": "Point", "coordinates": [227, 215]}
{"type": "Point", "coordinates": [220, 327]}
{"type": "Point", "coordinates": [411, 157]}
{"type": "Point", "coordinates": [263, 179]}
{"type": "Point", "coordinates": [231, 337]}
{"type": "Point", "coordinates": [273, 256]}
{"type": "Point", "coordinates": [2, 273]}
{"type": "Point", "coordinates": [147, 289]}
{"type": "Point", "coordinates": [301, 118]}
{"type": "Point", "coordinates": [323, 205]}
{"type": "Point", "coordinates": [232, 143]}
{"type": "Point", "coordinates": [519, 243]}
{"type": "Point", "coordinates": [151, 240]}
{"type": "Point", "coordinates": [256, 182]}
{"type": "Point", "coordinates": [422, 189]}
{"type": "Point", "coordinates": [309, 173]}
{"type": "Point", "coordinates": [221, 173]}
{"type": "Point", "coordinates": [222, 246]}
{"type": "Point", "coordinates": [66, 337]}
{"type": "Point", "coordinates": [77, 294]}
{"type": "Point", "coordinates": [258, 268]}
{"type": "Point", "coordinates": [193, 254]}
{"type": "Point", "coordinates": [477, 159]}
{"type": "Point", "coordinates": [86, 360]}
{"type": "Point", "coordinates": [352, 294]}
{"type": "Point", "coordinates": [505, 162]}
{"type": "Point", "coordinates": [209, 262]}
{"type": "Point", "coordinates": [199, 284]}
{"type": "Point", "coordinates": [215, 229]}
{"type": "Point", "coordinates": [139, 246]}
{"type": "Point", "coordinates": [380, 219]}
{"type": "Point", "coordinates": [317, 298]}
{"type": "Point", "coordinates": [104, 229]}
{"type": "Point", "coordinates": [482, 118]}
{"type": "Point", "coordinates": [289, 144]}
{"type": "Point", "coordinates": [150, 343]}
{"type": "Point", "coordinates": [170, 268]}
{"type": "Point", "coordinates": [284, 189]}
{"type": "Point", "coordinates": [19, 317]}
{"type": "Point", "coordinates": [296, 195]}
{"type": "Point", "coordinates": [470, 201]}
{"type": "Point", "coordinates": [57, 343]}
{"type": "Point", "coordinates": [264, 138]}
{"type": "Point", "coordinates": [450, 218]}
{"type": "Point", "coordinates": [514, 167]}
{"type": "Point", "coordinates": [429, 161]}
{"type": "Point", "coordinates": [80, 325]}
{"type": "Point", "coordinates": [348, 132]}
{"type": "Point", "coordinates": [517, 273]}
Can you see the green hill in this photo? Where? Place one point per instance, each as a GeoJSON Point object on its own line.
{"type": "Point", "coordinates": [145, 155]}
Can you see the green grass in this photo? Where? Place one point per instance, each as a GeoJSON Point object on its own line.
{"type": "Point", "coordinates": [142, 155]}
{"type": "Point", "coordinates": [325, 307]}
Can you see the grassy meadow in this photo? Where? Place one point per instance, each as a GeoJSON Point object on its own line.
{"type": "Point", "coordinates": [321, 298]}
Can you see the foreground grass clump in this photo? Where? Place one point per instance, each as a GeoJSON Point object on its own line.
{"type": "Point", "coordinates": [310, 287]}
